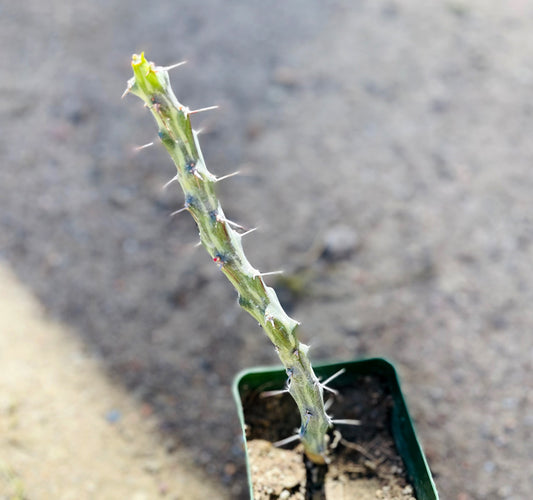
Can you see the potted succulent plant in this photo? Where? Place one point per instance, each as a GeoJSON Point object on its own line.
{"type": "Point", "coordinates": [294, 395]}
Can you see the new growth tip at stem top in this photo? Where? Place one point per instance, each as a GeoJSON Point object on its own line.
{"type": "Point", "coordinates": [223, 241]}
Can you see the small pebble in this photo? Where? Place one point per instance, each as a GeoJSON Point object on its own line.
{"type": "Point", "coordinates": [152, 467]}
{"type": "Point", "coordinates": [489, 466]}
{"type": "Point", "coordinates": [408, 490]}
{"type": "Point", "coordinates": [287, 77]}
{"type": "Point", "coordinates": [230, 469]}
{"type": "Point", "coordinates": [340, 242]}
{"type": "Point", "coordinates": [113, 416]}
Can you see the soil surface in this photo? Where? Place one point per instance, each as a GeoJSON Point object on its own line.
{"type": "Point", "coordinates": [364, 461]}
{"type": "Point", "coordinates": [386, 158]}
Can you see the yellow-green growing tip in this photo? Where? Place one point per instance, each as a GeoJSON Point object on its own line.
{"type": "Point", "coordinates": [148, 79]}
{"type": "Point", "coordinates": [137, 59]}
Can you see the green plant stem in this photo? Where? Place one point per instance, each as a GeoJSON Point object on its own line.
{"type": "Point", "coordinates": [223, 243]}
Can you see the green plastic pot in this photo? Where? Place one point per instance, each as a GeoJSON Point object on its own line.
{"type": "Point", "coordinates": [402, 427]}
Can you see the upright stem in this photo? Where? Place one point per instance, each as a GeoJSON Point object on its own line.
{"type": "Point", "coordinates": [223, 243]}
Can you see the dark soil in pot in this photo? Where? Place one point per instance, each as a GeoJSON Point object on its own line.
{"type": "Point", "coordinates": [364, 461]}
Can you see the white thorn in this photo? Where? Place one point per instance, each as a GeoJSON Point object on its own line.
{"type": "Point", "coordinates": [328, 403]}
{"type": "Point", "coordinates": [199, 244]}
{"type": "Point", "coordinates": [285, 441]}
{"type": "Point", "coordinates": [234, 224]}
{"type": "Point", "coordinates": [246, 233]}
{"type": "Point", "coordinates": [201, 110]}
{"type": "Point", "coordinates": [228, 221]}
{"type": "Point", "coordinates": [326, 388]}
{"type": "Point", "coordinates": [346, 421]}
{"type": "Point", "coordinates": [138, 148]}
{"type": "Point", "coordinates": [333, 377]}
{"type": "Point", "coordinates": [172, 66]}
{"type": "Point", "coordinates": [126, 92]}
{"type": "Point", "coordinates": [179, 211]}
{"type": "Point", "coordinates": [174, 179]}
{"type": "Point", "coordinates": [233, 174]}
{"type": "Point", "coordinates": [268, 394]}
{"type": "Point", "coordinates": [270, 273]}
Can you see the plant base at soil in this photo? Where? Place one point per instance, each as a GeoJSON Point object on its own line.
{"type": "Point", "coordinates": [364, 461]}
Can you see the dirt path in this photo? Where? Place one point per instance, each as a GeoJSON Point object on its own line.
{"type": "Point", "coordinates": [67, 432]}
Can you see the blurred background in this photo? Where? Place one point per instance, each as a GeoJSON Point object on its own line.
{"type": "Point", "coordinates": [386, 159]}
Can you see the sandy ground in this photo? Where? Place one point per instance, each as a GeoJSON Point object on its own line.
{"type": "Point", "coordinates": [67, 432]}
{"type": "Point", "coordinates": [386, 157]}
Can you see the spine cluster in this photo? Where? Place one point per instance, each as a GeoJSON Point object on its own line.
{"type": "Point", "coordinates": [223, 241]}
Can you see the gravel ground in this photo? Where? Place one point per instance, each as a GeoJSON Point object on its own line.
{"type": "Point", "coordinates": [386, 158]}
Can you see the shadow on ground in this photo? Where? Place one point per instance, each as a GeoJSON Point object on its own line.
{"type": "Point", "coordinates": [387, 158]}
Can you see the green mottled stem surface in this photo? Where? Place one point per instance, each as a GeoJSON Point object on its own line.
{"type": "Point", "coordinates": [151, 83]}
